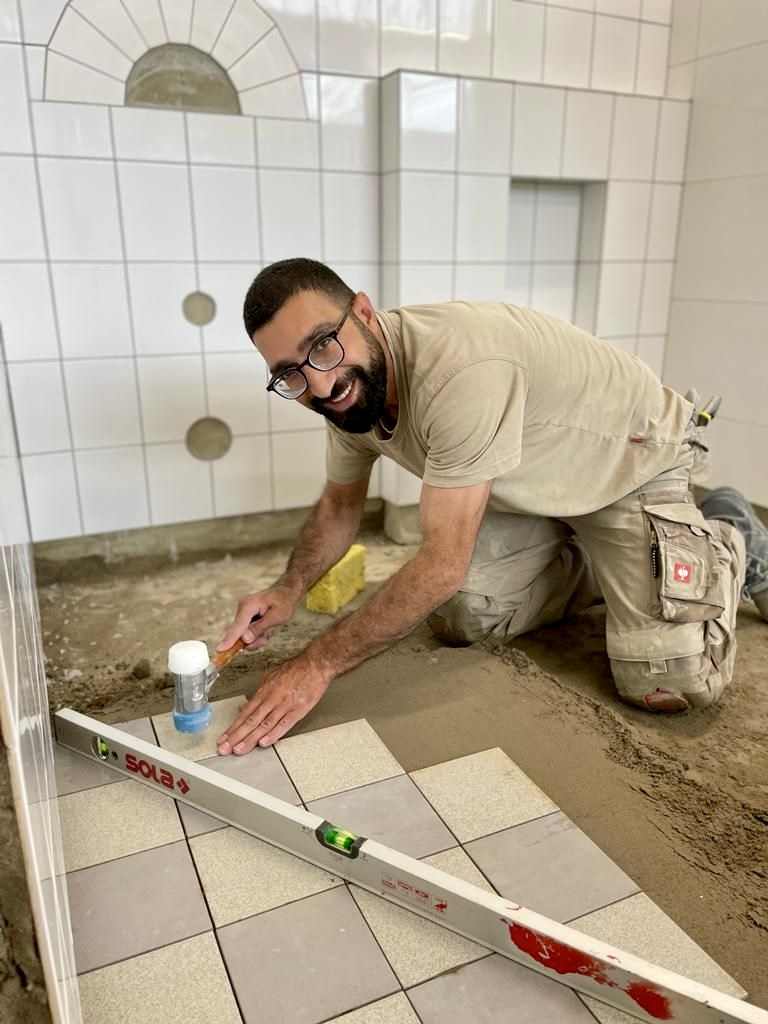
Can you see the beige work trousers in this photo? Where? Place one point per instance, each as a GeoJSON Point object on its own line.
{"type": "Point", "coordinates": [670, 579]}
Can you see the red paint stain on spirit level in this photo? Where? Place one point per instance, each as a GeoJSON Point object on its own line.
{"type": "Point", "coordinates": [564, 960]}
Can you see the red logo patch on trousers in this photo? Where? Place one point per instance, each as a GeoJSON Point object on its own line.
{"type": "Point", "coordinates": [682, 572]}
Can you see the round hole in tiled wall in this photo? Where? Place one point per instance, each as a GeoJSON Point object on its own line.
{"type": "Point", "coordinates": [209, 439]}
{"type": "Point", "coordinates": [199, 308]}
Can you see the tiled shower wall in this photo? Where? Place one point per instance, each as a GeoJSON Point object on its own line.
{"type": "Point", "coordinates": [112, 215]}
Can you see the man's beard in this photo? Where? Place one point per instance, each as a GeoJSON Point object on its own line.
{"type": "Point", "coordinates": [372, 391]}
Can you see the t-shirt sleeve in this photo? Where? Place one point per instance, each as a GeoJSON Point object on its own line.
{"type": "Point", "coordinates": [347, 457]}
{"type": "Point", "coordinates": [473, 425]}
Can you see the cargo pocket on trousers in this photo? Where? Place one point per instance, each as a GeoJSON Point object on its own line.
{"type": "Point", "coordinates": [684, 563]}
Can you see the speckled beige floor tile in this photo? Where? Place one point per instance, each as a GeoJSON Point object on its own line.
{"type": "Point", "coordinates": [335, 759]}
{"type": "Point", "coordinates": [178, 984]}
{"type": "Point", "coordinates": [75, 772]}
{"type": "Point", "coordinates": [481, 793]}
{"type": "Point", "coordinates": [197, 745]}
{"type": "Point", "coordinates": [638, 926]}
{"type": "Point", "coordinates": [242, 876]}
{"type": "Point", "coordinates": [456, 862]}
{"type": "Point", "coordinates": [113, 821]}
{"type": "Point", "coordinates": [416, 948]}
{"type": "Point", "coordinates": [392, 1010]}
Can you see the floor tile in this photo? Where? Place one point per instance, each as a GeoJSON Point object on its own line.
{"type": "Point", "coordinates": [261, 769]}
{"type": "Point", "coordinates": [197, 745]}
{"type": "Point", "coordinates": [75, 772]}
{"type": "Point", "coordinates": [392, 1010]}
{"type": "Point", "coordinates": [638, 926]}
{"type": "Point", "coordinates": [179, 984]}
{"type": "Point", "coordinates": [455, 862]}
{"type": "Point", "coordinates": [606, 1014]}
{"type": "Point", "coordinates": [342, 968]}
{"type": "Point", "coordinates": [392, 812]}
{"type": "Point", "coordinates": [337, 758]}
{"type": "Point", "coordinates": [416, 948]}
{"type": "Point", "coordinates": [552, 867]}
{"type": "Point", "coordinates": [243, 876]}
{"type": "Point", "coordinates": [114, 821]}
{"type": "Point", "coordinates": [129, 906]}
{"type": "Point", "coordinates": [482, 793]}
{"type": "Point", "coordinates": [495, 989]}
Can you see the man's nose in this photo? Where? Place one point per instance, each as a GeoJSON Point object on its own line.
{"type": "Point", "coordinates": [320, 382]}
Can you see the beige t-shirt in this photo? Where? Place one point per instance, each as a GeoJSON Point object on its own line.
{"type": "Point", "coordinates": [561, 422]}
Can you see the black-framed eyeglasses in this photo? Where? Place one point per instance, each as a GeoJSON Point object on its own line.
{"type": "Point", "coordinates": [325, 354]}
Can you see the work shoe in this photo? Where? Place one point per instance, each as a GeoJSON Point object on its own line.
{"type": "Point", "coordinates": [730, 505]}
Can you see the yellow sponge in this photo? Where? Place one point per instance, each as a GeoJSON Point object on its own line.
{"type": "Point", "coordinates": [340, 584]}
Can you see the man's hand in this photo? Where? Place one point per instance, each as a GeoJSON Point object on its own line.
{"type": "Point", "coordinates": [286, 694]}
{"type": "Point", "coordinates": [271, 608]}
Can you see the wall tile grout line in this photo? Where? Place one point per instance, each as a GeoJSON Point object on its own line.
{"type": "Point", "coordinates": [135, 23]}
{"type": "Point", "coordinates": [96, 29]}
{"type": "Point", "coordinates": [82, 64]}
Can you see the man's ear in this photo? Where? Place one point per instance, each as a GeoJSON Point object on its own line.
{"type": "Point", "coordinates": [364, 309]}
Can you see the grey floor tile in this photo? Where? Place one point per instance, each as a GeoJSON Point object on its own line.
{"type": "Point", "coordinates": [455, 862]}
{"type": "Point", "coordinates": [337, 758]}
{"type": "Point", "coordinates": [551, 866]}
{"type": "Point", "coordinates": [184, 983]}
{"type": "Point", "coordinates": [495, 989]}
{"type": "Point", "coordinates": [75, 772]}
{"type": "Point", "coordinates": [196, 746]}
{"type": "Point", "coordinates": [132, 905]}
{"type": "Point", "coordinates": [392, 812]}
{"type": "Point", "coordinates": [318, 955]}
{"type": "Point", "coordinates": [392, 1010]}
{"type": "Point", "coordinates": [261, 769]}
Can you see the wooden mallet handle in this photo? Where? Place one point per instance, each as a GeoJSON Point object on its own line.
{"type": "Point", "coordinates": [222, 658]}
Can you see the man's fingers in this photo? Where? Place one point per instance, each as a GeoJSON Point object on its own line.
{"type": "Point", "coordinates": [248, 626]}
{"type": "Point", "coordinates": [286, 722]}
{"type": "Point", "coordinates": [254, 728]}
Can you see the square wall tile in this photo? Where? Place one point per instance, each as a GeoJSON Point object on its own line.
{"type": "Point", "coordinates": [179, 485]}
{"type": "Point", "coordinates": [626, 220]}
{"type": "Point", "coordinates": [29, 329]}
{"type": "Point", "coordinates": [618, 299]}
{"type": "Point", "coordinates": [485, 126]}
{"type": "Point", "coordinates": [72, 81]}
{"type": "Point", "coordinates": [673, 136]}
{"type": "Point", "coordinates": [81, 212]}
{"type": "Point", "coordinates": [348, 37]}
{"type": "Point", "coordinates": [35, 386]}
{"type": "Point", "coordinates": [10, 25]}
{"type": "Point", "coordinates": [585, 302]}
{"type": "Point", "coordinates": [615, 54]}
{"type": "Point", "coordinates": [172, 395]}
{"type": "Point", "coordinates": [113, 489]}
{"type": "Point", "coordinates": [201, 987]}
{"type": "Point", "coordinates": [197, 746]}
{"type": "Point", "coordinates": [349, 123]}
{"type": "Point", "coordinates": [464, 43]}
{"type": "Point", "coordinates": [103, 402]}
{"type": "Point", "coordinates": [226, 213]}
{"type": "Point", "coordinates": [553, 289]}
{"type": "Point", "coordinates": [390, 218]}
{"type": "Point", "coordinates": [227, 284]}
{"type": "Point", "coordinates": [665, 209]}
{"type": "Point", "coordinates": [14, 107]}
{"type": "Point", "coordinates": [428, 122]}
{"type": "Point", "coordinates": [408, 35]}
{"type": "Point", "coordinates": [313, 762]}
{"type": "Point", "coordinates": [654, 306]}
{"type": "Point", "coordinates": [285, 97]}
{"type": "Point", "coordinates": [82, 42]}
{"type": "Point", "coordinates": [494, 282]}
{"type": "Point", "coordinates": [145, 134]}
{"type": "Point", "coordinates": [156, 211]}
{"type": "Point", "coordinates": [290, 214]}
{"type": "Point", "coordinates": [518, 51]}
{"type": "Point", "coordinates": [558, 217]}
{"type": "Point", "coordinates": [92, 309]}
{"type": "Point", "coordinates": [537, 131]}
{"type": "Point", "coordinates": [288, 416]}
{"type": "Point", "coordinates": [482, 216]}
{"type": "Point", "coordinates": [221, 139]}
{"type": "Point", "coordinates": [71, 129]}
{"type": "Point", "coordinates": [113, 21]}
{"type": "Point", "coordinates": [579, 878]}
{"type": "Point", "coordinates": [75, 772]}
{"type": "Point", "coordinates": [392, 812]}
{"type": "Point", "coordinates": [419, 283]}
{"type": "Point", "coordinates": [652, 59]}
{"type": "Point", "coordinates": [157, 293]}
{"type": "Point", "coordinates": [22, 234]}
{"type": "Point", "coordinates": [567, 47]}
{"type": "Point", "coordinates": [52, 497]}
{"type": "Point", "coordinates": [620, 8]}
{"type": "Point", "coordinates": [650, 349]}
{"type": "Point", "coordinates": [389, 118]}
{"type": "Point", "coordinates": [299, 467]}
{"type": "Point", "coordinates": [680, 81]}
{"type": "Point", "coordinates": [586, 147]}
{"type": "Point", "coordinates": [242, 875]}
{"type": "Point", "coordinates": [481, 793]}
{"type": "Point", "coordinates": [242, 479]}
{"type": "Point", "coordinates": [298, 23]}
{"type": "Point", "coordinates": [351, 217]}
{"type": "Point", "coordinates": [325, 933]}
{"type": "Point", "coordinates": [291, 144]}
{"type": "Point", "coordinates": [426, 216]}
{"type": "Point", "coordinates": [634, 137]}
{"type": "Point", "coordinates": [236, 392]}
{"type": "Point", "coordinates": [592, 221]}
{"type": "Point", "coordinates": [155, 896]}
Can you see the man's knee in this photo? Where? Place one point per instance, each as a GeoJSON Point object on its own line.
{"type": "Point", "coordinates": [465, 619]}
{"type": "Point", "coordinates": [670, 685]}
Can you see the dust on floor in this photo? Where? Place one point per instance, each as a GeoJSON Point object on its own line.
{"type": "Point", "coordinates": [680, 803]}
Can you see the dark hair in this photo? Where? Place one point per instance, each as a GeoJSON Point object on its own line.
{"type": "Point", "coordinates": [279, 281]}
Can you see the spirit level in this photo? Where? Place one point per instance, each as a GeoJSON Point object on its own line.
{"type": "Point", "coordinates": [563, 954]}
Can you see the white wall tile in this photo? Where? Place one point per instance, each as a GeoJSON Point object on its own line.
{"type": "Point", "coordinates": [283, 98]}
{"type": "Point", "coordinates": [227, 285]}
{"type": "Point", "coordinates": [621, 8]}
{"type": "Point", "coordinates": [66, 79]}
{"type": "Point", "coordinates": [226, 213]}
{"type": "Point", "coordinates": [520, 221]}
{"type": "Point", "coordinates": [242, 479]}
{"type": "Point", "coordinates": [518, 50]}
{"type": "Point", "coordinates": [618, 299]}
{"type": "Point", "coordinates": [51, 491]}
{"type": "Point", "coordinates": [673, 136]}
{"type": "Point", "coordinates": [294, 144]}
{"type": "Point", "coordinates": [390, 217]}
{"type": "Point", "coordinates": [39, 19]}
{"type": "Point", "coordinates": [567, 47]}
{"type": "Point", "coordinates": [26, 312]}
{"type": "Point", "coordinates": [615, 54]}
{"type": "Point", "coordinates": [585, 299]}
{"type": "Point", "coordinates": [348, 36]}
{"type": "Point", "coordinates": [77, 39]}
{"type": "Point", "coordinates": [634, 137]}
{"type": "Point", "coordinates": [290, 214]}
{"type": "Point", "coordinates": [558, 216]}
{"type": "Point", "coordinates": [149, 20]}
{"type": "Point", "coordinates": [650, 348]}
{"type": "Point", "coordinates": [35, 56]}
{"type": "Point", "coordinates": [351, 217]}
{"type": "Point", "coordinates": [652, 59]}
{"type": "Point", "coordinates": [733, 458]}
{"type": "Point", "coordinates": [103, 403]}
{"type": "Point", "coordinates": [685, 32]}
{"type": "Point", "coordinates": [14, 113]}
{"type": "Point", "coordinates": [157, 291]}
{"type": "Point", "coordinates": [587, 135]}
{"type": "Point", "coordinates": [493, 282]}
{"type": "Point", "coordinates": [426, 216]}
{"type": "Point", "coordinates": [80, 204]}
{"type": "Point", "coordinates": [657, 10]}
{"type": "Point", "coordinates": [537, 131]}
{"type": "Point", "coordinates": [245, 24]}
{"type": "Point", "coordinates": [143, 134]}
{"type": "Point", "coordinates": [481, 223]}
{"type": "Point", "coordinates": [425, 283]}
{"type": "Point", "coordinates": [626, 220]}
{"type": "Point", "coordinates": [10, 25]}
{"type": "Point", "coordinates": [553, 289]}
{"type": "Point", "coordinates": [71, 129]}
{"type": "Point", "coordinates": [172, 395]}
{"type": "Point", "coordinates": [112, 20]}
{"type": "Point", "coordinates": [207, 22]}
{"type": "Point", "coordinates": [287, 415]}
{"type": "Point", "coordinates": [485, 126]}
{"type": "Point", "coordinates": [428, 121]}
{"type": "Point", "coordinates": [665, 208]}
{"type": "Point", "coordinates": [236, 391]}
{"type": "Point", "coordinates": [465, 37]}
{"type": "Point", "coordinates": [349, 114]}
{"type": "Point", "coordinates": [157, 217]}
{"type": "Point", "coordinates": [398, 485]}
{"type": "Point", "coordinates": [92, 308]}
{"type": "Point", "coordinates": [36, 386]}
{"type": "Point", "coordinates": [299, 468]}
{"type": "Point", "coordinates": [113, 489]}
{"type": "Point", "coordinates": [361, 277]}
{"type": "Point", "coordinates": [728, 26]}
{"type": "Point", "coordinates": [179, 485]}
{"type": "Point", "coordinates": [408, 35]}
{"type": "Point", "coordinates": [592, 221]}
{"type": "Point", "coordinates": [389, 114]}
{"type": "Point", "coordinates": [266, 61]}
{"type": "Point", "coordinates": [178, 19]}
{"type": "Point", "coordinates": [654, 305]}
{"type": "Point", "coordinates": [680, 80]}
{"type": "Point", "coordinates": [311, 88]}
{"type": "Point", "coordinates": [221, 139]}
{"type": "Point", "coordinates": [298, 23]}
{"type": "Point", "coordinates": [22, 234]}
